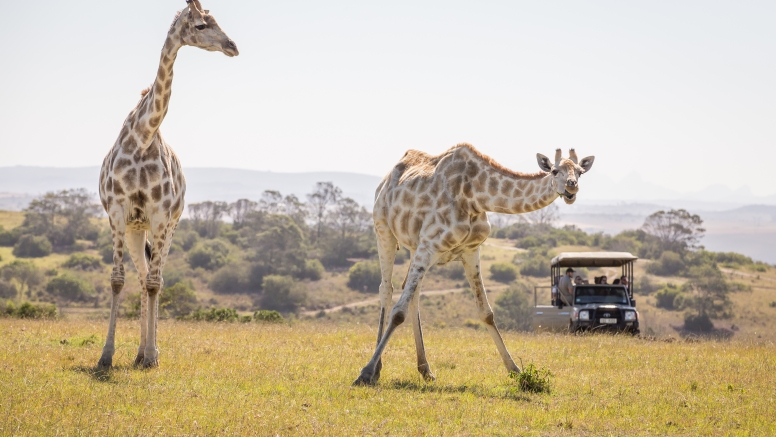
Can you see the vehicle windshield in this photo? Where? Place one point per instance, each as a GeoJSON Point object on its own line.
{"type": "Point", "coordinates": [600, 294]}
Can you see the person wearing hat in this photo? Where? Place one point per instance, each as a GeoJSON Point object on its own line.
{"type": "Point", "coordinates": [566, 287]}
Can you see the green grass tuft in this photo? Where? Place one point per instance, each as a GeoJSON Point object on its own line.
{"type": "Point", "coordinates": [533, 380]}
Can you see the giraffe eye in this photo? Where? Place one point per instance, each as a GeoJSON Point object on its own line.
{"type": "Point", "coordinates": [554, 172]}
{"type": "Point", "coordinates": [200, 26]}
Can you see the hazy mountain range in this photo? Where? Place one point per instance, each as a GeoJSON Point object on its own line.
{"type": "Point", "coordinates": [736, 220]}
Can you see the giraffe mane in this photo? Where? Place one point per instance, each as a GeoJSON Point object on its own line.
{"type": "Point", "coordinates": [496, 166]}
{"type": "Point", "coordinates": [175, 19]}
{"type": "Point", "coordinates": [145, 91]}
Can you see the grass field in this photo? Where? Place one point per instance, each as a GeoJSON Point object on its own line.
{"type": "Point", "coordinates": [295, 379]}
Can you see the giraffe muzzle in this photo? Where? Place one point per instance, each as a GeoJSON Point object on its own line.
{"type": "Point", "coordinates": [569, 198]}
{"type": "Point", "coordinates": [230, 48]}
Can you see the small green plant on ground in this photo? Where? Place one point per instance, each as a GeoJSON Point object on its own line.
{"type": "Point", "coordinates": [532, 380]}
{"type": "Point", "coordinates": [268, 316]}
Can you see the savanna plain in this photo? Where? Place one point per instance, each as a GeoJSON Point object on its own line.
{"type": "Point", "coordinates": [294, 378]}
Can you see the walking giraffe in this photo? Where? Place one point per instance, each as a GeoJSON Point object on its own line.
{"type": "Point", "coordinates": [436, 206]}
{"type": "Point", "coordinates": [142, 184]}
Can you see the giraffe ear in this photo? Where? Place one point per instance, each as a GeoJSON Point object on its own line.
{"type": "Point", "coordinates": [587, 163]}
{"type": "Point", "coordinates": [544, 162]}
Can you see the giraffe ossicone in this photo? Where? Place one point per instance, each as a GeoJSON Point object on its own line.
{"type": "Point", "coordinates": [142, 184]}
{"type": "Point", "coordinates": [436, 206]}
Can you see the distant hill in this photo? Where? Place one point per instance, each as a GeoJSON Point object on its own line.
{"type": "Point", "coordinates": [18, 185]}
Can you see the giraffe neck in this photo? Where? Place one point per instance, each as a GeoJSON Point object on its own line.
{"type": "Point", "coordinates": [496, 189]}
{"type": "Point", "coordinates": [148, 116]}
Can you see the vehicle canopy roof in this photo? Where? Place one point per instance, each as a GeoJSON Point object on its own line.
{"type": "Point", "coordinates": [592, 259]}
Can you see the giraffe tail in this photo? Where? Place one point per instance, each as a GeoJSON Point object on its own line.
{"type": "Point", "coordinates": [148, 252]}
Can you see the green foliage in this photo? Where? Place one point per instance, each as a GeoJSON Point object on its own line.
{"type": "Point", "coordinates": [8, 238]}
{"type": "Point", "coordinates": [186, 239]}
{"type": "Point", "coordinates": [83, 261]}
{"type": "Point", "coordinates": [536, 265]}
{"type": "Point", "coordinates": [282, 293]}
{"type": "Point", "coordinates": [646, 285]}
{"type": "Point", "coordinates": [70, 288]}
{"type": "Point", "coordinates": [268, 316]}
{"type": "Point", "coordinates": [279, 246]}
{"type": "Point", "coordinates": [452, 270]}
{"type": "Point", "coordinates": [81, 340]}
{"type": "Point", "coordinates": [666, 296]}
{"type": "Point", "coordinates": [698, 323]}
{"type": "Point", "coordinates": [31, 246]}
{"type": "Point", "coordinates": [513, 308]}
{"type": "Point", "coordinates": [213, 315]}
{"type": "Point", "coordinates": [177, 301]}
{"type": "Point", "coordinates": [229, 279]}
{"type": "Point", "coordinates": [313, 270]}
{"type": "Point", "coordinates": [669, 264]}
{"type": "Point", "coordinates": [209, 254]}
{"type": "Point", "coordinates": [533, 380]}
{"type": "Point", "coordinates": [503, 272]}
{"type": "Point", "coordinates": [676, 230]}
{"type": "Point", "coordinates": [28, 310]}
{"type": "Point", "coordinates": [711, 291]}
{"type": "Point", "coordinates": [62, 217]}
{"type": "Point", "coordinates": [24, 273]}
{"type": "Point", "coordinates": [365, 276]}
{"type": "Point", "coordinates": [7, 290]}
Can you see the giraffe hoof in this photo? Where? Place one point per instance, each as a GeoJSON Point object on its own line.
{"type": "Point", "coordinates": [366, 379]}
{"type": "Point", "coordinates": [150, 363]}
{"type": "Point", "coordinates": [425, 372]}
{"type": "Point", "coordinates": [138, 360]}
{"type": "Point", "coordinates": [105, 363]}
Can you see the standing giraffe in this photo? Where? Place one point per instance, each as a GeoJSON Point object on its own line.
{"type": "Point", "coordinates": [142, 184]}
{"type": "Point", "coordinates": [436, 206]}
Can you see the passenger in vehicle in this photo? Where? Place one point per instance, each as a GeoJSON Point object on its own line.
{"type": "Point", "coordinates": [566, 288]}
{"type": "Point", "coordinates": [603, 280]}
{"type": "Point", "coordinates": [579, 281]}
{"type": "Point", "coordinates": [616, 282]}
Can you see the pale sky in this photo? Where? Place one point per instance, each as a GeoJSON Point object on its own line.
{"type": "Point", "coordinates": [681, 92]}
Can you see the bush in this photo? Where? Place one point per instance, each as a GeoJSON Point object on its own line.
{"type": "Point", "coordinates": [452, 270]}
{"type": "Point", "coordinates": [229, 279]}
{"type": "Point", "coordinates": [669, 264]}
{"type": "Point", "coordinates": [513, 309]}
{"type": "Point", "coordinates": [282, 293]}
{"type": "Point", "coordinates": [365, 276]}
{"type": "Point", "coordinates": [28, 310]}
{"type": "Point", "coordinates": [214, 315]}
{"type": "Point", "coordinates": [177, 301]}
{"type": "Point", "coordinates": [82, 261]}
{"type": "Point", "coordinates": [533, 380]}
{"type": "Point", "coordinates": [646, 285]}
{"type": "Point", "coordinates": [666, 296]}
{"type": "Point", "coordinates": [698, 323]}
{"type": "Point", "coordinates": [7, 290]}
{"type": "Point", "coordinates": [537, 266]}
{"type": "Point", "coordinates": [503, 272]}
{"type": "Point", "coordinates": [312, 270]}
{"type": "Point", "coordinates": [209, 255]}
{"type": "Point", "coordinates": [30, 246]}
{"type": "Point", "coordinates": [10, 238]}
{"type": "Point", "coordinates": [268, 316]}
{"type": "Point", "coordinates": [70, 288]}
{"type": "Point", "coordinates": [186, 239]}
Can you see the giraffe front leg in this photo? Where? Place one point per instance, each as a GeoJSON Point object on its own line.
{"type": "Point", "coordinates": [154, 284]}
{"type": "Point", "coordinates": [135, 242]}
{"type": "Point", "coordinates": [117, 283]}
{"type": "Point", "coordinates": [420, 348]}
{"type": "Point", "coordinates": [386, 250]}
{"type": "Point", "coordinates": [398, 315]}
{"type": "Point", "coordinates": [471, 265]}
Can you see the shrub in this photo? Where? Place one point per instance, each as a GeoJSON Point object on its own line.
{"type": "Point", "coordinates": [214, 315]}
{"type": "Point", "coordinates": [666, 296]}
{"type": "Point", "coordinates": [268, 316]}
{"type": "Point", "coordinates": [30, 246]}
{"type": "Point", "coordinates": [282, 293]}
{"type": "Point", "coordinates": [82, 261]}
{"type": "Point", "coordinates": [533, 380]}
{"type": "Point", "coordinates": [537, 266]}
{"type": "Point", "coordinates": [177, 301]}
{"type": "Point", "coordinates": [186, 239]}
{"type": "Point", "coordinates": [7, 290]}
{"type": "Point", "coordinates": [646, 285]}
{"type": "Point", "coordinates": [669, 264]}
{"type": "Point", "coordinates": [513, 309]}
{"type": "Point", "coordinates": [698, 323]}
{"type": "Point", "coordinates": [312, 270]}
{"type": "Point", "coordinates": [452, 270]}
{"type": "Point", "coordinates": [503, 272]}
{"type": "Point", "coordinates": [28, 310]}
{"type": "Point", "coordinates": [209, 255]}
{"type": "Point", "coordinates": [365, 276]}
{"type": "Point", "coordinates": [10, 238]}
{"type": "Point", "coordinates": [229, 279]}
{"type": "Point", "coordinates": [70, 288]}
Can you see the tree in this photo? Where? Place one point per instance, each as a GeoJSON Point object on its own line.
{"type": "Point", "coordinates": [240, 209]}
{"type": "Point", "coordinates": [206, 217]}
{"type": "Point", "coordinates": [271, 202]}
{"type": "Point", "coordinates": [676, 230]}
{"type": "Point", "coordinates": [365, 276]}
{"type": "Point", "coordinates": [319, 201]}
{"type": "Point", "coordinates": [503, 272]}
{"type": "Point", "coordinates": [62, 216]}
{"type": "Point", "coordinates": [32, 246]}
{"type": "Point", "coordinates": [513, 309]}
{"type": "Point", "coordinates": [280, 246]}
{"type": "Point", "coordinates": [209, 255]}
{"type": "Point", "coordinates": [282, 293]}
{"type": "Point", "coordinates": [544, 217]}
{"type": "Point", "coordinates": [710, 292]}
{"type": "Point", "coordinates": [177, 301]}
{"type": "Point", "coordinates": [24, 273]}
{"type": "Point", "coordinates": [70, 288]}
{"type": "Point", "coordinates": [348, 217]}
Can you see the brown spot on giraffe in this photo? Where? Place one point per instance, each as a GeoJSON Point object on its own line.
{"type": "Point", "coordinates": [143, 180]}
{"type": "Point", "coordinates": [156, 193]}
{"type": "Point", "coordinates": [130, 179]}
{"type": "Point", "coordinates": [493, 184]}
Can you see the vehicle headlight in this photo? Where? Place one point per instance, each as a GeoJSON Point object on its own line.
{"type": "Point", "coordinates": [584, 315]}
{"type": "Point", "coordinates": [630, 316]}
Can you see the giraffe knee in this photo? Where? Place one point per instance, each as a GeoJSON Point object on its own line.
{"type": "Point", "coordinates": [153, 284]}
{"type": "Point", "coordinates": [488, 319]}
{"type": "Point", "coordinates": [117, 279]}
{"type": "Point", "coordinates": [398, 318]}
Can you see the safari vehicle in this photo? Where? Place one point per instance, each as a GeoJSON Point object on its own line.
{"type": "Point", "coordinates": [595, 307]}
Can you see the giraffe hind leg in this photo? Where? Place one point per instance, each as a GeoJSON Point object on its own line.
{"type": "Point", "coordinates": [137, 246]}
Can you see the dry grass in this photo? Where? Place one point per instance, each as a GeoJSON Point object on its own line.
{"type": "Point", "coordinates": [261, 379]}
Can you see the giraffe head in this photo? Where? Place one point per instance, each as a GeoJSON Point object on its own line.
{"type": "Point", "coordinates": [566, 172]}
{"type": "Point", "coordinates": [199, 29]}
